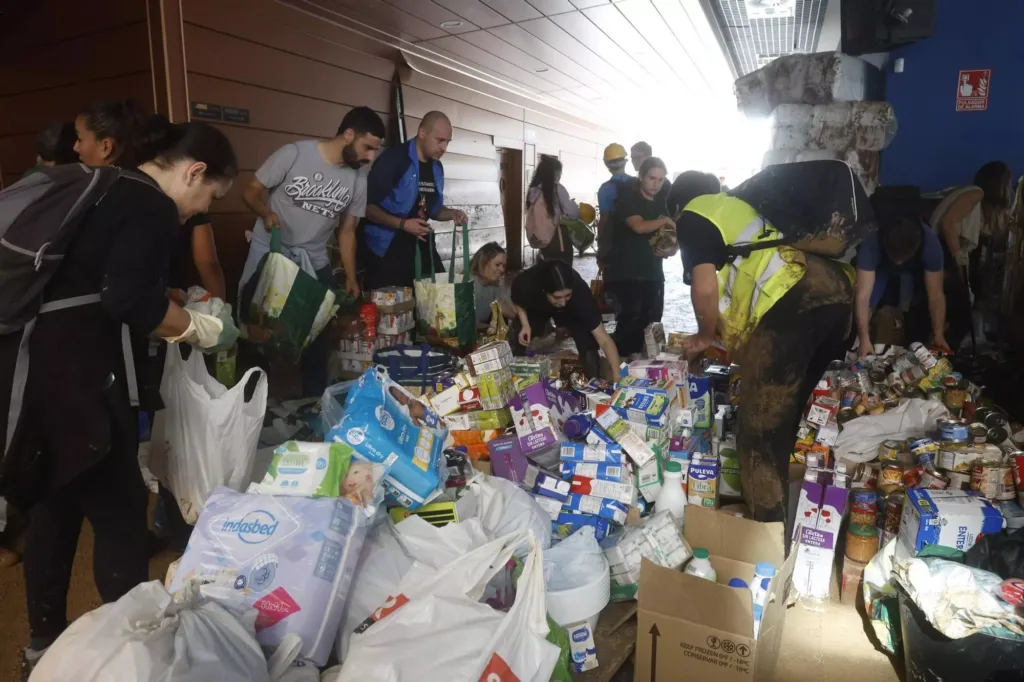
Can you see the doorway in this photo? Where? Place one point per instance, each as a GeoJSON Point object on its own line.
{"type": "Point", "coordinates": [511, 187]}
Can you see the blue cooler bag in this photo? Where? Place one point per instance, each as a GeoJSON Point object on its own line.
{"type": "Point", "coordinates": [385, 424]}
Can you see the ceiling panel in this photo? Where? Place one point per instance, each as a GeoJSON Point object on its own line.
{"type": "Point", "coordinates": [389, 15]}
{"type": "Point", "coordinates": [588, 33]}
{"type": "Point", "coordinates": [550, 7]}
{"type": "Point", "coordinates": [515, 34]}
{"type": "Point", "coordinates": [498, 47]}
{"type": "Point", "coordinates": [711, 63]}
{"type": "Point", "coordinates": [610, 20]}
{"type": "Point", "coordinates": [564, 43]}
{"type": "Point", "coordinates": [473, 53]}
{"type": "Point", "coordinates": [475, 12]}
{"type": "Point", "coordinates": [434, 14]}
{"type": "Point", "coordinates": [647, 21]}
{"type": "Point", "coordinates": [753, 42]}
{"type": "Point", "coordinates": [583, 4]}
{"type": "Point", "coordinates": [514, 10]}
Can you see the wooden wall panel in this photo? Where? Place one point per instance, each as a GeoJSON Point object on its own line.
{"type": "Point", "coordinates": [419, 102]}
{"type": "Point", "coordinates": [40, 27]}
{"type": "Point", "coordinates": [254, 146]}
{"type": "Point", "coordinates": [230, 58]}
{"type": "Point", "coordinates": [459, 167]}
{"type": "Point", "coordinates": [463, 141]}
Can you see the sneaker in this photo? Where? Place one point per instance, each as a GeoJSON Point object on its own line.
{"type": "Point", "coordinates": [29, 659]}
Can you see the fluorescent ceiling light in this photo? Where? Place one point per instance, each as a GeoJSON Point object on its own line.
{"type": "Point", "coordinates": [451, 24]}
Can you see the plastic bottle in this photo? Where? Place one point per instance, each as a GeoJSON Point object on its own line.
{"type": "Point", "coordinates": [740, 583]}
{"type": "Point", "coordinates": [763, 574]}
{"type": "Point", "coordinates": [671, 496]}
{"type": "Point", "coordinates": [700, 566]}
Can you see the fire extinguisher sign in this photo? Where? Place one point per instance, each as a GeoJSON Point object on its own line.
{"type": "Point", "coordinates": [972, 89]}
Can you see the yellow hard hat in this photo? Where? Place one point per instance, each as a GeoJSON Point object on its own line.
{"type": "Point", "coordinates": [587, 213]}
{"type": "Point", "coordinates": [614, 152]}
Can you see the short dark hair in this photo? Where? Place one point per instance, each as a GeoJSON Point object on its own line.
{"type": "Point", "coordinates": [641, 148]}
{"type": "Point", "coordinates": [363, 121]}
{"type": "Point", "coordinates": [165, 143]}
{"type": "Point", "coordinates": [688, 186]}
{"type": "Point", "coordinates": [901, 238]}
{"type": "Point", "coordinates": [56, 143]}
{"type": "Point", "coordinates": [649, 164]}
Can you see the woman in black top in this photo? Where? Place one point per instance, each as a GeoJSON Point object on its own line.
{"type": "Point", "coordinates": [634, 277]}
{"type": "Point", "coordinates": [552, 290]}
{"type": "Point", "coordinates": [73, 451]}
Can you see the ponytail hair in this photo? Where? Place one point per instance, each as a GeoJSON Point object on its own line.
{"type": "Point", "coordinates": [121, 121]}
{"type": "Point", "coordinates": [556, 275]}
{"type": "Point", "coordinates": [165, 143]}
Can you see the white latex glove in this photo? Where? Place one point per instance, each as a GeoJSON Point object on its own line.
{"type": "Point", "coordinates": [203, 331]}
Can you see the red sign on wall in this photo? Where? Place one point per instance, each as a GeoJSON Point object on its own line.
{"type": "Point", "coordinates": [972, 88]}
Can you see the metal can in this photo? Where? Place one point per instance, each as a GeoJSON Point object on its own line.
{"type": "Point", "coordinates": [933, 480]}
{"type": "Point", "coordinates": [987, 479]}
{"type": "Point", "coordinates": [1008, 491]}
{"type": "Point", "coordinates": [977, 433]}
{"type": "Point", "coordinates": [923, 450]}
{"type": "Point", "coordinates": [996, 417]}
{"type": "Point", "coordinates": [891, 474]}
{"type": "Point", "coordinates": [848, 398]}
{"type": "Point", "coordinates": [893, 512]}
{"type": "Point", "coordinates": [997, 435]}
{"type": "Point", "coordinates": [845, 414]}
{"type": "Point", "coordinates": [877, 375]}
{"type": "Point", "coordinates": [1016, 460]}
{"type": "Point", "coordinates": [889, 450]}
{"type": "Point", "coordinates": [959, 480]}
{"type": "Point", "coordinates": [952, 430]}
{"type": "Point", "coordinates": [926, 357]}
{"type": "Point", "coordinates": [912, 477]}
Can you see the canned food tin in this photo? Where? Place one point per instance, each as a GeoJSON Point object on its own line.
{"type": "Point", "coordinates": [845, 414]}
{"type": "Point", "coordinates": [889, 450]}
{"type": "Point", "coordinates": [912, 477]}
{"type": "Point", "coordinates": [996, 417]}
{"type": "Point", "coordinates": [861, 496]}
{"type": "Point", "coordinates": [893, 512]}
{"type": "Point", "coordinates": [923, 451]}
{"type": "Point", "coordinates": [926, 357]}
{"type": "Point", "coordinates": [954, 396]}
{"type": "Point", "coordinates": [1016, 461]}
{"type": "Point", "coordinates": [933, 480]}
{"type": "Point", "coordinates": [959, 480]}
{"type": "Point", "coordinates": [952, 430]}
{"type": "Point", "coordinates": [891, 474]}
{"type": "Point", "coordinates": [996, 435]}
{"type": "Point", "coordinates": [981, 412]}
{"type": "Point", "coordinates": [988, 480]}
{"type": "Point", "coordinates": [877, 375]}
{"type": "Point", "coordinates": [977, 433]}
{"type": "Point", "coordinates": [848, 398]}
{"type": "Point", "coordinates": [1008, 490]}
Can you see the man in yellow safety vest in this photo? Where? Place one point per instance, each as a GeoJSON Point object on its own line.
{"type": "Point", "coordinates": [783, 314]}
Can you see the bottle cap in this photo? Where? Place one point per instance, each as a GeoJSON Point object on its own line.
{"type": "Point", "coordinates": [738, 582]}
{"type": "Point", "coordinates": [700, 553]}
{"type": "Point", "coordinates": [765, 569]}
{"type": "Point", "coordinates": [673, 467]}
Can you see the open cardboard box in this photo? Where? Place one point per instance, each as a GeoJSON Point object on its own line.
{"type": "Point", "coordinates": [691, 628]}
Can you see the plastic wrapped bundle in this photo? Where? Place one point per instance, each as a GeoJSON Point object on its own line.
{"type": "Point", "coordinates": [837, 127]}
{"type": "Point", "coordinates": [820, 78]}
{"type": "Point", "coordinates": [865, 164]}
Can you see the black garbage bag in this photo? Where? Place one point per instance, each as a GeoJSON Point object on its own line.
{"type": "Point", "coordinates": [1002, 554]}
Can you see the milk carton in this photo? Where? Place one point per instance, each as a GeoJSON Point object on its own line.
{"type": "Point", "coordinates": [595, 453]}
{"type": "Point", "coordinates": [702, 481]}
{"type": "Point", "coordinates": [620, 492]}
{"type": "Point", "coordinates": [616, 427]}
{"type": "Point", "coordinates": [604, 472]}
{"type": "Point", "coordinates": [656, 539]}
{"type": "Point", "coordinates": [729, 484]}
{"type": "Point", "coordinates": [700, 400]}
{"type": "Point", "coordinates": [649, 479]}
{"type": "Point", "coordinates": [532, 419]}
{"type": "Point", "coordinates": [951, 518]}
{"type": "Point", "coordinates": [816, 544]}
{"type": "Point", "coordinates": [606, 509]}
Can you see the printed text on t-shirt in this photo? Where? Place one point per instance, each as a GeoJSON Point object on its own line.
{"type": "Point", "coordinates": [328, 199]}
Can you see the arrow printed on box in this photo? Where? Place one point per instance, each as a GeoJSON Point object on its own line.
{"type": "Point", "coordinates": [654, 650]}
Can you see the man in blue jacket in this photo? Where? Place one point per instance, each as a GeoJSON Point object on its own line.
{"type": "Point", "coordinates": [405, 190]}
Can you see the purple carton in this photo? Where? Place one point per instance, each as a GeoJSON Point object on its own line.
{"type": "Point", "coordinates": [507, 459]}
{"type": "Point", "coordinates": [532, 418]}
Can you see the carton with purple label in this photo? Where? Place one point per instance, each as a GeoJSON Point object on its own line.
{"type": "Point", "coordinates": [816, 544]}
{"type": "Point", "coordinates": [531, 417]}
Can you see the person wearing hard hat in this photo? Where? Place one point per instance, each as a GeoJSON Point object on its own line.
{"type": "Point", "coordinates": [607, 197]}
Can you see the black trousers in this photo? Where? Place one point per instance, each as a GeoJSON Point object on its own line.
{"type": "Point", "coordinates": [637, 303]}
{"type": "Point", "coordinates": [113, 497]}
{"type": "Point", "coordinates": [586, 344]}
{"type": "Point", "coordinates": [780, 365]}
{"type": "Point", "coordinates": [397, 267]}
{"type": "Point", "coordinates": [556, 250]}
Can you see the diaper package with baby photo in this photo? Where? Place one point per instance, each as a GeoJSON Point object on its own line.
{"type": "Point", "coordinates": [290, 558]}
{"type": "Point", "coordinates": [384, 424]}
{"type": "Point", "coordinates": [323, 470]}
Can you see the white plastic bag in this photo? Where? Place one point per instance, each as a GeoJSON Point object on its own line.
{"type": "Point", "coordinates": [503, 507]}
{"type": "Point", "coordinates": [210, 431]}
{"type": "Point", "coordinates": [574, 562]}
{"type": "Point", "coordinates": [435, 630]}
{"type": "Point", "coordinates": [861, 437]}
{"type": "Point", "coordinates": [146, 636]}
{"type": "Point", "coordinates": [388, 554]}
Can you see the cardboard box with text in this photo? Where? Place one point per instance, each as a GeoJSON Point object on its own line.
{"type": "Point", "coordinates": [693, 629]}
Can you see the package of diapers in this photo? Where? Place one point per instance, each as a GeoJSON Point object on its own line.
{"type": "Point", "coordinates": [323, 470]}
{"type": "Point", "coordinates": [384, 424]}
{"type": "Point", "coordinates": [291, 558]}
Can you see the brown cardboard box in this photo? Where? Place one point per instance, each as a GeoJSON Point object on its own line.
{"type": "Point", "coordinates": [694, 629]}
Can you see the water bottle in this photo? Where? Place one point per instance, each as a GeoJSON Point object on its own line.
{"type": "Point", "coordinates": [763, 574]}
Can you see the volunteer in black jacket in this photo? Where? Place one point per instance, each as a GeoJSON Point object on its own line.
{"type": "Point", "coordinates": [633, 275]}
{"type": "Point", "coordinates": [72, 453]}
{"type": "Point", "coordinates": [553, 291]}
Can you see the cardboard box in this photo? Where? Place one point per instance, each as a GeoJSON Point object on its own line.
{"type": "Point", "coordinates": [822, 411]}
{"type": "Point", "coordinates": [595, 392]}
{"type": "Point", "coordinates": [490, 357]}
{"type": "Point", "coordinates": [693, 629]}
{"type": "Point", "coordinates": [665, 387]}
{"type": "Point", "coordinates": [552, 506]}
{"type": "Point", "coordinates": [507, 458]}
{"type": "Point", "coordinates": [951, 518]}
{"type": "Point", "coordinates": [551, 486]}
{"type": "Point", "coordinates": [479, 420]}
{"type": "Point", "coordinates": [440, 513]}
{"type": "Point", "coordinates": [702, 482]}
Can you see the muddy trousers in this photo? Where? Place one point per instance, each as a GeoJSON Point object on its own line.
{"type": "Point", "coordinates": [780, 365]}
{"type": "Point", "coordinates": [113, 497]}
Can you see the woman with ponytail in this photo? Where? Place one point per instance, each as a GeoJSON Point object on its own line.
{"type": "Point", "coordinates": [72, 454]}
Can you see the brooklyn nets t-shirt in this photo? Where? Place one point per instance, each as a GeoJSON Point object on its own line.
{"type": "Point", "coordinates": [309, 196]}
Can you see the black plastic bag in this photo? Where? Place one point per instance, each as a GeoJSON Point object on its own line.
{"type": "Point", "coordinates": [1002, 554]}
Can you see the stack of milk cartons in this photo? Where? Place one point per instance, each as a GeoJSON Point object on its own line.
{"type": "Point", "coordinates": [479, 399]}
{"type": "Point", "coordinates": [600, 490]}
{"type": "Point", "coordinates": [656, 538]}
{"type": "Point", "coordinates": [819, 516]}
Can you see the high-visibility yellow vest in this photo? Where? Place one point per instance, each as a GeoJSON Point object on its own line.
{"type": "Point", "coordinates": [748, 287]}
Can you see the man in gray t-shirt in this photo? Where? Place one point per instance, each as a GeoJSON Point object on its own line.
{"type": "Point", "coordinates": [306, 189]}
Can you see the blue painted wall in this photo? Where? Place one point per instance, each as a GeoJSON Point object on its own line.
{"type": "Point", "coordinates": [936, 146]}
